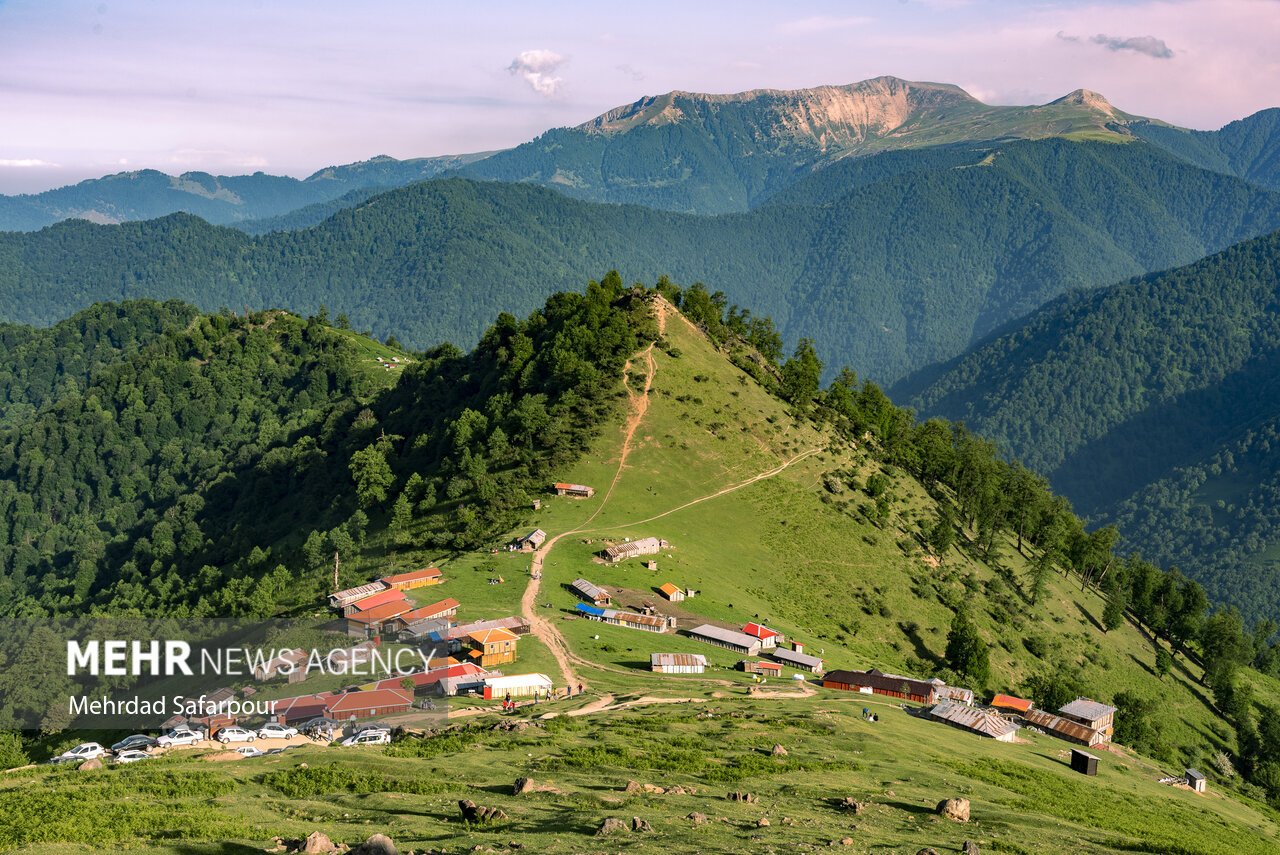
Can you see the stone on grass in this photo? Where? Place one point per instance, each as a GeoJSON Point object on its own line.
{"type": "Point", "coordinates": [638, 824]}
{"type": "Point", "coordinates": [954, 809]}
{"type": "Point", "coordinates": [378, 844]}
{"type": "Point", "coordinates": [698, 818]}
{"type": "Point", "coordinates": [970, 848]}
{"type": "Point", "coordinates": [90, 765]}
{"type": "Point", "coordinates": [611, 825]}
{"type": "Point", "coordinates": [778, 751]}
{"type": "Point", "coordinates": [318, 843]}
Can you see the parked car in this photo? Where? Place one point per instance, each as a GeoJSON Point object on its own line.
{"type": "Point", "coordinates": [235, 734]}
{"type": "Point", "coordinates": [277, 731]}
{"type": "Point", "coordinates": [179, 737]}
{"type": "Point", "coordinates": [132, 755]}
{"type": "Point", "coordinates": [83, 751]}
{"type": "Point", "coordinates": [137, 742]}
{"type": "Point", "coordinates": [372, 725]}
{"type": "Point", "coordinates": [248, 751]}
{"type": "Point", "coordinates": [369, 737]}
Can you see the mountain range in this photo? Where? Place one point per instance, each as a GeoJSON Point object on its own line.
{"type": "Point", "coordinates": [914, 233]}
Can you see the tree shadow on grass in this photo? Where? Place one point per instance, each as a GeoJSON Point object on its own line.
{"type": "Point", "coordinates": [1093, 620]}
{"type": "Point", "coordinates": [922, 650]}
{"type": "Point", "coordinates": [1144, 666]}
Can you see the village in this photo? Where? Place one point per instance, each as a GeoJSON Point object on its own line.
{"type": "Point", "coordinates": [476, 662]}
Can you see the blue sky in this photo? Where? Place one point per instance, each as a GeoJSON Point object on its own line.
{"type": "Point", "coordinates": [233, 86]}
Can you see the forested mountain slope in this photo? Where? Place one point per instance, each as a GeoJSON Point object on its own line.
{"type": "Point", "coordinates": [227, 199]}
{"type": "Point", "coordinates": [1248, 147]}
{"type": "Point", "coordinates": [889, 263]}
{"type": "Point", "coordinates": [1151, 402]}
{"type": "Point", "coordinates": [713, 154]}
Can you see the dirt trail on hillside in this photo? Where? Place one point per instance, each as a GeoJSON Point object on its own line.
{"type": "Point", "coordinates": [639, 401]}
{"type": "Point", "coordinates": [541, 627]}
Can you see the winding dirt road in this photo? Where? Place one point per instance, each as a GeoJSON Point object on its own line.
{"type": "Point", "coordinates": [542, 628]}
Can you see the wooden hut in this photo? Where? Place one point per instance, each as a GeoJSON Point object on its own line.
{"type": "Point", "coordinates": [672, 593]}
{"type": "Point", "coordinates": [760, 666]}
{"type": "Point", "coordinates": [592, 593]}
{"type": "Point", "coordinates": [578, 491]}
{"type": "Point", "coordinates": [341, 599]}
{"type": "Point", "coordinates": [492, 646]}
{"type": "Point", "coordinates": [768, 637]}
{"type": "Point", "coordinates": [633, 549]}
{"type": "Point", "coordinates": [1064, 728]}
{"type": "Point", "coordinates": [975, 721]}
{"type": "Point", "coordinates": [1083, 762]}
{"type": "Point", "coordinates": [1196, 781]}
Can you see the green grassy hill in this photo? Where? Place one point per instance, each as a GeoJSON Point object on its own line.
{"type": "Point", "coordinates": [772, 511]}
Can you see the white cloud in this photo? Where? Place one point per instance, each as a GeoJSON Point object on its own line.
{"type": "Point", "coordinates": [536, 67]}
{"type": "Point", "coordinates": [27, 163]}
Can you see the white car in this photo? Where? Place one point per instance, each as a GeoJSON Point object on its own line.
{"type": "Point", "coordinates": [133, 755]}
{"type": "Point", "coordinates": [277, 731]}
{"type": "Point", "coordinates": [235, 734]}
{"type": "Point", "coordinates": [248, 751]}
{"type": "Point", "coordinates": [368, 737]}
{"type": "Point", "coordinates": [83, 751]}
{"type": "Point", "coordinates": [179, 737]}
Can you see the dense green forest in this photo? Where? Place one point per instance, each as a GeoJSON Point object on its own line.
{"type": "Point", "coordinates": [1248, 147]}
{"type": "Point", "coordinates": [202, 472]}
{"type": "Point", "coordinates": [1150, 402]}
{"type": "Point", "coordinates": [910, 263]}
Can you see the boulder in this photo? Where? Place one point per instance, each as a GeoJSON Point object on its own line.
{"type": "Point", "coordinates": [378, 844]}
{"type": "Point", "coordinates": [633, 787]}
{"type": "Point", "coordinates": [970, 848]}
{"type": "Point", "coordinates": [846, 841]}
{"type": "Point", "coordinates": [927, 851]}
{"type": "Point", "coordinates": [528, 785]}
{"type": "Point", "coordinates": [778, 751]}
{"type": "Point", "coordinates": [90, 765]}
{"type": "Point", "coordinates": [746, 798]}
{"type": "Point", "coordinates": [318, 843]}
{"type": "Point", "coordinates": [762, 822]}
{"type": "Point", "coordinates": [638, 824]}
{"type": "Point", "coordinates": [697, 818]}
{"type": "Point", "coordinates": [954, 809]}
{"type": "Point", "coordinates": [611, 825]}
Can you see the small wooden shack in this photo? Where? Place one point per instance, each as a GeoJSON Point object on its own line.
{"type": "Point", "coordinates": [672, 593]}
{"type": "Point", "coordinates": [1196, 781]}
{"type": "Point", "coordinates": [578, 491]}
{"type": "Point", "coordinates": [1083, 762]}
{"type": "Point", "coordinates": [967, 718]}
{"type": "Point", "coordinates": [677, 663]}
{"type": "Point", "coordinates": [531, 541]}
{"type": "Point", "coordinates": [592, 593]}
{"type": "Point", "coordinates": [1064, 728]}
{"type": "Point", "coordinates": [759, 666]}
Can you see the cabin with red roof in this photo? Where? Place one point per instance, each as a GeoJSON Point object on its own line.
{"type": "Point", "coordinates": [768, 637]}
{"type": "Point", "coordinates": [416, 579]}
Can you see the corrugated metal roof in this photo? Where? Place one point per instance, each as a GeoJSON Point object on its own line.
{"type": "Point", "coordinates": [667, 660]}
{"type": "Point", "coordinates": [761, 631]}
{"type": "Point", "coordinates": [386, 611]}
{"type": "Point", "coordinates": [1063, 726]}
{"type": "Point", "coordinates": [373, 699]}
{"type": "Point", "coordinates": [1193, 775]}
{"type": "Point", "coordinates": [955, 693]}
{"type": "Point", "coordinates": [381, 598]}
{"type": "Point", "coordinates": [979, 722]}
{"type": "Point", "coordinates": [401, 578]}
{"type": "Point", "coordinates": [670, 590]}
{"type": "Point", "coordinates": [1086, 708]}
{"type": "Point", "coordinates": [587, 589]}
{"type": "Point", "coordinates": [359, 591]}
{"type": "Point", "coordinates": [491, 636]}
{"type": "Point", "coordinates": [876, 679]}
{"type": "Point", "coordinates": [643, 546]}
{"type": "Point", "coordinates": [591, 610]}
{"type": "Point", "coordinates": [1009, 702]}
{"type": "Point", "coordinates": [729, 636]}
{"type": "Point", "coordinates": [784, 655]}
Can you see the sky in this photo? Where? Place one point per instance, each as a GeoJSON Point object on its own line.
{"type": "Point", "coordinates": [237, 86]}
